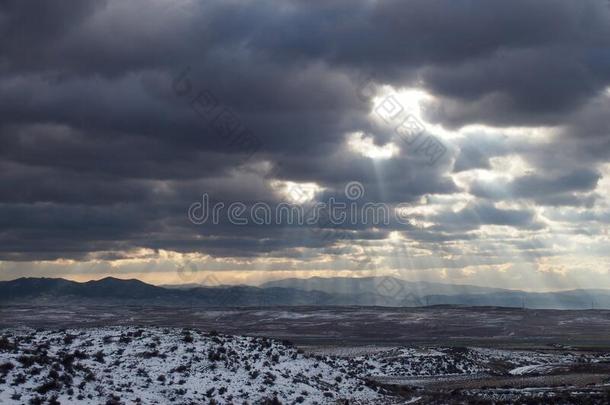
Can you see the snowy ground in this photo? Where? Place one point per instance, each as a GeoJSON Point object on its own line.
{"type": "Point", "coordinates": [162, 366]}
{"type": "Point", "coordinates": [411, 362]}
{"type": "Point", "coordinates": [151, 365]}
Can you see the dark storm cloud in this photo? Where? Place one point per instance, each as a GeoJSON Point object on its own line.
{"type": "Point", "coordinates": [544, 189]}
{"type": "Point", "coordinates": [476, 149]}
{"type": "Point", "coordinates": [493, 62]}
{"type": "Point", "coordinates": [28, 29]}
{"type": "Point", "coordinates": [101, 149]}
{"type": "Point", "coordinates": [577, 180]}
{"type": "Point", "coordinates": [523, 87]}
{"type": "Point", "coordinates": [477, 215]}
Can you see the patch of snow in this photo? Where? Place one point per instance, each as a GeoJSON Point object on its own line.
{"type": "Point", "coordinates": [160, 366]}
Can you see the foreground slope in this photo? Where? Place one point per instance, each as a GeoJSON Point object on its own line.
{"type": "Point", "coordinates": [122, 365]}
{"type": "Point", "coordinates": [162, 366]}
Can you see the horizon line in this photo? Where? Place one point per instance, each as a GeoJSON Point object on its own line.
{"type": "Point", "coordinates": [261, 285]}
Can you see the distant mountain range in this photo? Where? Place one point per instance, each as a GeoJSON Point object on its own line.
{"type": "Point", "coordinates": [337, 291]}
{"type": "Point", "coordinates": [387, 286]}
{"type": "Point", "coordinates": [406, 293]}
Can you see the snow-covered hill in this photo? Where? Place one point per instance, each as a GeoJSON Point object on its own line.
{"type": "Point", "coordinates": [153, 365]}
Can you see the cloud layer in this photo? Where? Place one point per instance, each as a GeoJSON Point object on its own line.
{"type": "Point", "coordinates": [116, 115]}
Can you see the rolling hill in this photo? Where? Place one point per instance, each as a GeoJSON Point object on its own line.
{"type": "Point", "coordinates": [370, 291]}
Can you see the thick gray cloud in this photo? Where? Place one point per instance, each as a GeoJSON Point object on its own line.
{"type": "Point", "coordinates": [104, 145]}
{"type": "Point", "coordinates": [476, 215]}
{"type": "Point", "coordinates": [545, 189]}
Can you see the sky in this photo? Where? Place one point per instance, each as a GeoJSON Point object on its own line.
{"type": "Point", "coordinates": [481, 125]}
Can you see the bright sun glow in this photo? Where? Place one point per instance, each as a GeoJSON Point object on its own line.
{"type": "Point", "coordinates": [409, 99]}
{"type": "Point", "coordinates": [365, 146]}
{"type": "Point", "coordinates": [294, 192]}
